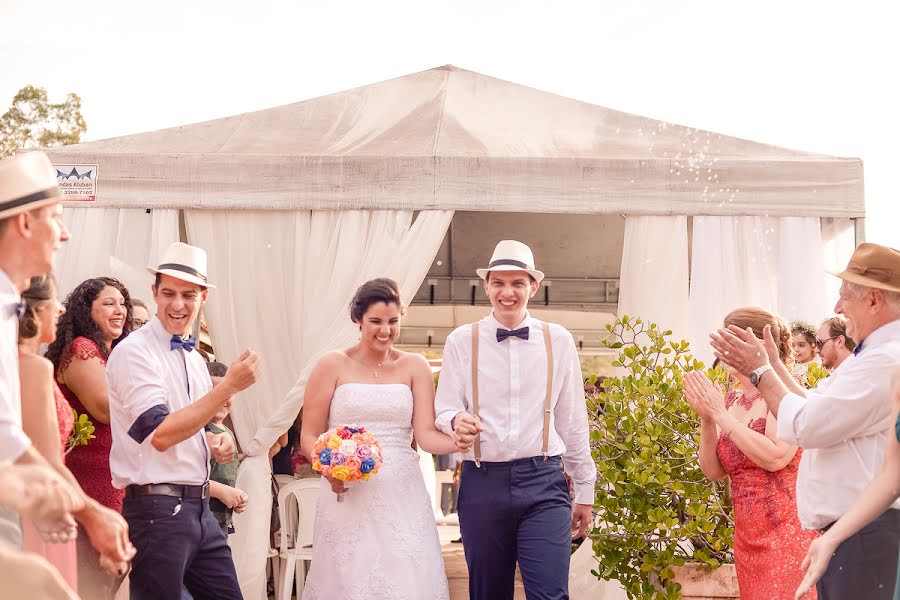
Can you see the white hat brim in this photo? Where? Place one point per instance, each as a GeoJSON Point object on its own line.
{"type": "Point", "coordinates": [538, 275]}
{"type": "Point", "coordinates": [182, 276]}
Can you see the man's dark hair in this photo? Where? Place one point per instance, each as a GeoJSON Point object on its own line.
{"type": "Point", "coordinates": [216, 369]}
{"type": "Point", "coordinates": [158, 279]}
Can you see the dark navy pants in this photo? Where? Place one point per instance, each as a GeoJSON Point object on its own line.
{"type": "Point", "coordinates": [865, 564]}
{"type": "Point", "coordinates": [516, 511]}
{"type": "Point", "coordinates": [181, 554]}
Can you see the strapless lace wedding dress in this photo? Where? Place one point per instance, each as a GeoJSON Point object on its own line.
{"type": "Point", "coordinates": [381, 542]}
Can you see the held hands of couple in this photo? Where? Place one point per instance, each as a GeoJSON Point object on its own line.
{"type": "Point", "coordinates": [465, 428]}
{"type": "Point", "coordinates": [742, 350]}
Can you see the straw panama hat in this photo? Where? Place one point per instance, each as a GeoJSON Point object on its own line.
{"type": "Point", "coordinates": [510, 255]}
{"type": "Point", "coordinates": [873, 266]}
{"type": "Point", "coordinates": [184, 262]}
{"type": "Point", "coordinates": [27, 182]}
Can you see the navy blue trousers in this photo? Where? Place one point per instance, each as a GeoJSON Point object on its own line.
{"type": "Point", "coordinates": [516, 511]}
{"type": "Point", "coordinates": [181, 554]}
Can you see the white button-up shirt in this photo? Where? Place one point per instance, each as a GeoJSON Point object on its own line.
{"type": "Point", "coordinates": [841, 427]}
{"type": "Point", "coordinates": [512, 384]}
{"type": "Point", "coordinates": [144, 374]}
{"type": "Point", "coordinates": [13, 441]}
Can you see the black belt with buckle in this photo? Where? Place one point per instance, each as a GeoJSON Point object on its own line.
{"type": "Point", "coordinates": [168, 489]}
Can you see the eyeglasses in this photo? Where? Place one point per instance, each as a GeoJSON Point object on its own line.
{"type": "Point", "coordinates": [821, 343]}
{"type": "Point", "coordinates": [137, 324]}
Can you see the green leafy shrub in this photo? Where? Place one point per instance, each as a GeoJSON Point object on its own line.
{"type": "Point", "coordinates": [655, 508]}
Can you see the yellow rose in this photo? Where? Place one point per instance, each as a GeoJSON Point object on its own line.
{"type": "Point", "coordinates": [334, 442]}
{"type": "Point", "coordinates": [316, 465]}
{"type": "Point", "coordinates": [366, 476]}
{"type": "Point", "coordinates": [341, 472]}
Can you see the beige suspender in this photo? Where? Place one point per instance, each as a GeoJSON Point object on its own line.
{"type": "Point", "coordinates": [477, 446]}
{"type": "Point", "coordinates": [545, 446]}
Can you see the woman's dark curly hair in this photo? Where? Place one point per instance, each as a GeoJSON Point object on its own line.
{"type": "Point", "coordinates": [77, 320]}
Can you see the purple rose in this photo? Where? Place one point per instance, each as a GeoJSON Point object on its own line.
{"type": "Point", "coordinates": [325, 456]}
{"type": "Point", "coordinates": [363, 452]}
{"type": "Point", "coordinates": [367, 466]}
{"type": "Point", "coordinates": [337, 458]}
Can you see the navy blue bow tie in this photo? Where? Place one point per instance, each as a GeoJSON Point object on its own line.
{"type": "Point", "coordinates": [502, 334]}
{"type": "Point", "coordinates": [20, 309]}
{"type": "Point", "coordinates": [188, 344]}
{"type": "Point", "coordinates": [857, 349]}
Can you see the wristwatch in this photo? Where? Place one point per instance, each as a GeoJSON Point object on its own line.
{"type": "Point", "coordinates": [757, 374]}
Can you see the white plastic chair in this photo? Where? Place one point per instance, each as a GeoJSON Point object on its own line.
{"type": "Point", "coordinates": [297, 511]}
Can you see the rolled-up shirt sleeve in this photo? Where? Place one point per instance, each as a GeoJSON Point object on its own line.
{"type": "Point", "coordinates": [450, 399]}
{"type": "Point", "coordinates": [136, 390]}
{"type": "Point", "coordinates": [847, 405]}
{"type": "Point", "coordinates": [571, 423]}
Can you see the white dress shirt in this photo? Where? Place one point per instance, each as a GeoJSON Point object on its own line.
{"type": "Point", "coordinates": [144, 374]}
{"type": "Point", "coordinates": [512, 384]}
{"type": "Point", "coordinates": [13, 441]}
{"type": "Point", "coordinates": [841, 427]}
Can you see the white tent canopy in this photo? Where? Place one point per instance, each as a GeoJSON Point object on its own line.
{"type": "Point", "coordinates": [298, 205]}
{"type": "Point", "coordinates": [459, 140]}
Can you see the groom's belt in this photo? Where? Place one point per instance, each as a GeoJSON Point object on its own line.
{"type": "Point", "coordinates": [519, 461]}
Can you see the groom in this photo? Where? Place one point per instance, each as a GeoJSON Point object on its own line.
{"type": "Point", "coordinates": [511, 394]}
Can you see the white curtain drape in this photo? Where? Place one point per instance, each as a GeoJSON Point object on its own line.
{"type": "Point", "coordinates": [773, 263]}
{"type": "Point", "coordinates": [284, 283]}
{"type": "Point", "coordinates": [654, 280]}
{"type": "Point", "coordinates": [114, 242]}
{"type": "Point", "coordinates": [838, 244]}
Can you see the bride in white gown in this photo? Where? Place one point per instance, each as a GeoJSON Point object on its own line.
{"type": "Point", "coordinates": [380, 542]}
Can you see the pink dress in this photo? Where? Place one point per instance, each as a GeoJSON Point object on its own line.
{"type": "Point", "coordinates": [769, 543]}
{"type": "Point", "coordinates": [61, 556]}
{"type": "Point", "coordinates": [90, 463]}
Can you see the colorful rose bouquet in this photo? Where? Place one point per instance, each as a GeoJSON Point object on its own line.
{"type": "Point", "coordinates": [348, 453]}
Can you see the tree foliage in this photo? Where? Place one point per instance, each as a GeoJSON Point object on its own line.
{"type": "Point", "coordinates": [33, 122]}
{"type": "Point", "coordinates": [655, 508]}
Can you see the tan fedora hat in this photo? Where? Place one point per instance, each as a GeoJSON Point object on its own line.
{"type": "Point", "coordinates": [510, 255]}
{"type": "Point", "coordinates": [27, 182]}
{"type": "Point", "coordinates": [873, 266]}
{"type": "Point", "coordinates": [185, 262]}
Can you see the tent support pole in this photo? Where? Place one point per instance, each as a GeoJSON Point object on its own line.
{"type": "Point", "coordinates": [859, 230]}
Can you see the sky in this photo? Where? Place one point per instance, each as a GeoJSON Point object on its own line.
{"type": "Point", "coordinates": [813, 76]}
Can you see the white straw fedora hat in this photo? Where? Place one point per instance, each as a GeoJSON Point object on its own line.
{"type": "Point", "coordinates": [27, 182]}
{"type": "Point", "coordinates": [510, 255]}
{"type": "Point", "coordinates": [184, 262]}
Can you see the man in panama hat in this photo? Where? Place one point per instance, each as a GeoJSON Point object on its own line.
{"type": "Point", "coordinates": [160, 399]}
{"type": "Point", "coordinates": [841, 424]}
{"type": "Point", "coordinates": [511, 394]}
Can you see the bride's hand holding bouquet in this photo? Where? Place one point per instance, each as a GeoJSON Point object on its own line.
{"type": "Point", "coordinates": [346, 454]}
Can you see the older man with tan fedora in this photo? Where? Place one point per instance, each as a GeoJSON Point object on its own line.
{"type": "Point", "coordinates": [840, 425]}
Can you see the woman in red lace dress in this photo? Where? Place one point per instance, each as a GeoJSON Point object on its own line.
{"type": "Point", "coordinates": [738, 439]}
{"type": "Point", "coordinates": [97, 317]}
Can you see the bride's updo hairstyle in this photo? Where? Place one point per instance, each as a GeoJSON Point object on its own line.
{"type": "Point", "coordinates": [372, 292]}
{"type": "Point", "coordinates": [756, 319]}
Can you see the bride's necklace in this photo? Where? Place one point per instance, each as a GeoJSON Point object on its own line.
{"type": "Point", "coordinates": [374, 369]}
